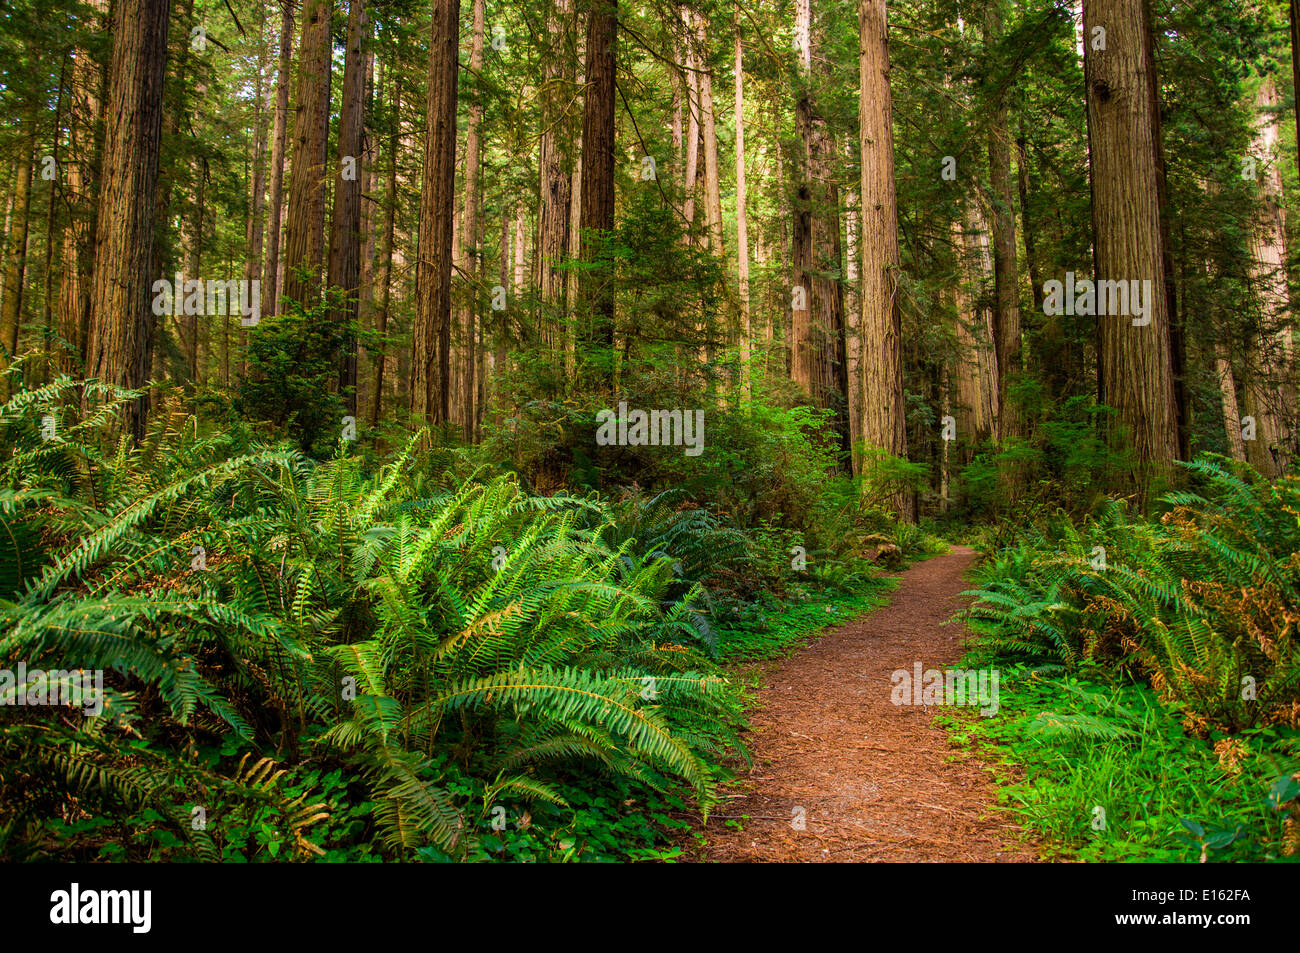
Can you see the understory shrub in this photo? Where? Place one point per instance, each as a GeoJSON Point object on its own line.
{"type": "Point", "coordinates": [1203, 601]}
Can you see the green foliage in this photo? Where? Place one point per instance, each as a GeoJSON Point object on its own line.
{"type": "Point", "coordinates": [762, 464]}
{"type": "Point", "coordinates": [1169, 678]}
{"type": "Point", "coordinates": [436, 640]}
{"type": "Point", "coordinates": [885, 477]}
{"type": "Point", "coordinates": [1105, 772]}
{"type": "Point", "coordinates": [773, 627]}
{"type": "Point", "coordinates": [1066, 463]}
{"type": "Point", "coordinates": [293, 370]}
{"type": "Point", "coordinates": [1203, 603]}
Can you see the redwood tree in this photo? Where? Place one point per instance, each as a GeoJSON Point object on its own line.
{"type": "Point", "coordinates": [431, 333]}
{"type": "Point", "coordinates": [304, 247]}
{"type": "Point", "coordinates": [279, 135]}
{"type": "Point", "coordinates": [883, 421]}
{"type": "Point", "coordinates": [345, 227]}
{"type": "Point", "coordinates": [556, 167]}
{"type": "Point", "coordinates": [121, 316]}
{"type": "Point", "coordinates": [1135, 364]}
{"type": "Point", "coordinates": [597, 214]}
{"type": "Point", "coordinates": [818, 359]}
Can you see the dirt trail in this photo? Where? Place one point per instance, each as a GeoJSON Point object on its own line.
{"type": "Point", "coordinates": [874, 779]}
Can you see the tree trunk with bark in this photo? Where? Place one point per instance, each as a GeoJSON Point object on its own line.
{"type": "Point", "coordinates": [81, 168]}
{"type": "Point", "coordinates": [598, 179]}
{"type": "Point", "coordinates": [1270, 384]}
{"type": "Point", "coordinates": [194, 268]}
{"type": "Point", "coordinates": [345, 226]}
{"type": "Point", "coordinates": [16, 263]}
{"type": "Point", "coordinates": [556, 166]}
{"type": "Point", "coordinates": [709, 128]}
{"type": "Point", "coordinates": [818, 361]}
{"type": "Point", "coordinates": [1135, 362]}
{"type": "Point", "coordinates": [976, 374]}
{"type": "Point", "coordinates": [431, 334]}
{"type": "Point", "coordinates": [385, 276]}
{"type": "Point", "coordinates": [279, 136]}
{"type": "Point", "coordinates": [470, 238]}
{"type": "Point", "coordinates": [852, 322]}
{"type": "Point", "coordinates": [257, 204]}
{"type": "Point", "coordinates": [691, 172]}
{"type": "Point", "coordinates": [121, 316]}
{"type": "Point", "coordinates": [1228, 396]}
{"type": "Point", "coordinates": [883, 411]}
{"type": "Point", "coordinates": [304, 247]}
{"type": "Point", "coordinates": [742, 221]}
{"type": "Point", "coordinates": [1006, 275]}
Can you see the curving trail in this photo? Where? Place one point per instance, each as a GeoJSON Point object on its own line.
{"type": "Point", "coordinates": [876, 781]}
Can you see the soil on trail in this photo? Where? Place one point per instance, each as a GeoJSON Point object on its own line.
{"type": "Point", "coordinates": [876, 781]}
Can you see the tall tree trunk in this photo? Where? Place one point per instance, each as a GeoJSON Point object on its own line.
{"type": "Point", "coordinates": [304, 247]}
{"type": "Point", "coordinates": [1228, 395]}
{"type": "Point", "coordinates": [257, 206]}
{"type": "Point", "coordinates": [431, 334]}
{"type": "Point", "coordinates": [805, 343]}
{"type": "Point", "coordinates": [521, 250]}
{"type": "Point", "coordinates": [121, 317]}
{"type": "Point", "coordinates": [553, 223]}
{"type": "Point", "coordinates": [519, 285]}
{"type": "Point", "coordinates": [571, 329]}
{"type": "Point", "coordinates": [1295, 63]}
{"type": "Point", "coordinates": [598, 176]}
{"type": "Point", "coordinates": [54, 199]}
{"type": "Point", "coordinates": [500, 329]}
{"type": "Point", "coordinates": [742, 222]}
{"type": "Point", "coordinates": [818, 361]}
{"type": "Point", "coordinates": [369, 177]}
{"type": "Point", "coordinates": [81, 167]}
{"type": "Point", "coordinates": [708, 118]}
{"type": "Point", "coordinates": [1270, 385]}
{"type": "Point", "coordinates": [345, 226]}
{"type": "Point", "coordinates": [675, 129]}
{"type": "Point", "coordinates": [279, 135]}
{"type": "Point", "coordinates": [385, 280]}
{"type": "Point", "coordinates": [945, 449]}
{"type": "Point", "coordinates": [1177, 338]}
{"type": "Point", "coordinates": [1031, 255]}
{"type": "Point", "coordinates": [1006, 308]}
{"type": "Point", "coordinates": [1006, 276]}
{"type": "Point", "coordinates": [16, 262]}
{"type": "Point", "coordinates": [194, 268]}
{"type": "Point", "coordinates": [691, 173]}
{"type": "Point", "coordinates": [1135, 363]}
{"type": "Point", "coordinates": [471, 238]}
{"type": "Point", "coordinates": [762, 258]}
{"type": "Point", "coordinates": [852, 322]}
{"type": "Point", "coordinates": [883, 418]}
{"type": "Point", "coordinates": [976, 373]}
{"type": "Point", "coordinates": [455, 370]}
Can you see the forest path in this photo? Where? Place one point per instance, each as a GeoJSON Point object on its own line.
{"type": "Point", "coordinates": [877, 781]}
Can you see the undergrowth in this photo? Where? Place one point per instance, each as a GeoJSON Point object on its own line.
{"type": "Point", "coordinates": [1153, 669]}
{"type": "Point", "coordinates": [1098, 769]}
{"type": "Point", "coordinates": [399, 657]}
